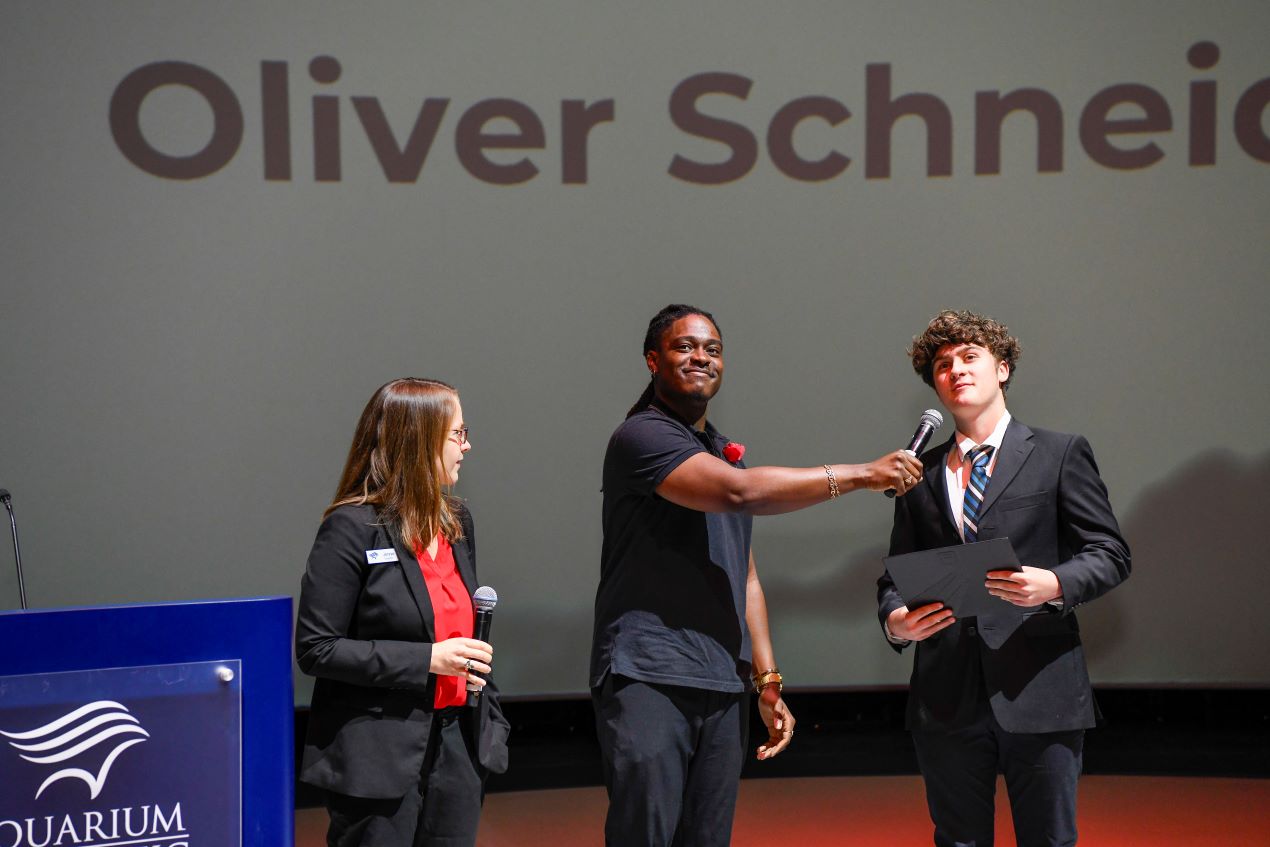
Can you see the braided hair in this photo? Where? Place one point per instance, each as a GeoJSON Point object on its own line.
{"type": "Point", "coordinates": [656, 329]}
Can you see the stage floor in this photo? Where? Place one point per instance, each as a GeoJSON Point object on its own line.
{"type": "Point", "coordinates": [884, 811]}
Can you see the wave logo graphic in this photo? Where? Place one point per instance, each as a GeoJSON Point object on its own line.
{"type": "Point", "coordinates": [74, 735]}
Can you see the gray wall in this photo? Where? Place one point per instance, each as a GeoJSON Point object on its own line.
{"type": "Point", "coordinates": [184, 359]}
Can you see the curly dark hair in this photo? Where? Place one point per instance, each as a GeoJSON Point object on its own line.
{"type": "Point", "coordinates": [964, 327]}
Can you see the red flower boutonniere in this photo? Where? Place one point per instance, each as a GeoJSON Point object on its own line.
{"type": "Point", "coordinates": [733, 452]}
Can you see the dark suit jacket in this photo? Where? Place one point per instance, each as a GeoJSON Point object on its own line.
{"type": "Point", "coordinates": [1046, 496]}
{"type": "Point", "coordinates": [366, 632]}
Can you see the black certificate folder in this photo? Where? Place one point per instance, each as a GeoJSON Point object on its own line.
{"type": "Point", "coordinates": [953, 576]}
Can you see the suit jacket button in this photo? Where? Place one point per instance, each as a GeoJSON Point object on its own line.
{"type": "Point", "coordinates": [971, 631]}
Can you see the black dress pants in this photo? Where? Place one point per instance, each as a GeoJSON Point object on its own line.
{"type": "Point", "coordinates": [672, 761]}
{"type": "Point", "coordinates": [960, 770]}
{"type": "Point", "coordinates": [442, 809]}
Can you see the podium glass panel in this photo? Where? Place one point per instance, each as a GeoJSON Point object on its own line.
{"type": "Point", "coordinates": [136, 756]}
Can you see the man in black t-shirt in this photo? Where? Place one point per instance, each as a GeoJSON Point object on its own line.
{"type": "Point", "coordinates": [680, 617]}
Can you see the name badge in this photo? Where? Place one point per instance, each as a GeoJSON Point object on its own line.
{"type": "Point", "coordinates": [379, 557]}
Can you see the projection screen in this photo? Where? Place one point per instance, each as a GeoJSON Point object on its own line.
{"type": "Point", "coordinates": [226, 224]}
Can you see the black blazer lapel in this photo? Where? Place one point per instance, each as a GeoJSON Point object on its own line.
{"type": "Point", "coordinates": [1016, 446]}
{"type": "Point", "coordinates": [465, 550]}
{"type": "Point", "coordinates": [933, 473]}
{"type": "Point", "coordinates": [467, 568]}
{"type": "Point", "coordinates": [414, 578]}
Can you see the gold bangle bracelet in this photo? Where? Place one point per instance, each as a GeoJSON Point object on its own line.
{"type": "Point", "coordinates": [755, 676]}
{"type": "Point", "coordinates": [772, 677]}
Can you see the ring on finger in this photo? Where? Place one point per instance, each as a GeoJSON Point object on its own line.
{"type": "Point", "coordinates": [468, 666]}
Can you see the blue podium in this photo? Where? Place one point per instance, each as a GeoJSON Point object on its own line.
{"type": "Point", "coordinates": [165, 725]}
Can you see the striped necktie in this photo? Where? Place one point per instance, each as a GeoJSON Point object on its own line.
{"type": "Point", "coordinates": [979, 459]}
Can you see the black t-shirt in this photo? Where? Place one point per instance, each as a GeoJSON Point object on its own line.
{"type": "Point", "coordinates": [671, 603]}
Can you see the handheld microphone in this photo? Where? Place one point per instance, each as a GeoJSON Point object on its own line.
{"type": "Point", "coordinates": [931, 421]}
{"type": "Point", "coordinates": [7, 499]}
{"type": "Point", "coordinates": [485, 599]}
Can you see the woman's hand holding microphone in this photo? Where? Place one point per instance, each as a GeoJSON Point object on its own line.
{"type": "Point", "coordinates": [463, 657]}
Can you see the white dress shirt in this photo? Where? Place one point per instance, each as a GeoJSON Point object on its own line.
{"type": "Point", "coordinates": [957, 470]}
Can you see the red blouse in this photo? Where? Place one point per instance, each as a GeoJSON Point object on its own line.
{"type": "Point", "coordinates": [452, 613]}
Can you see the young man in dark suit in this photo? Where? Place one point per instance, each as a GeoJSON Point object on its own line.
{"type": "Point", "coordinates": [1008, 691]}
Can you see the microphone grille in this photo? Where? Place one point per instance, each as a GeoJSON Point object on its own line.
{"type": "Point", "coordinates": [933, 417]}
{"type": "Point", "coordinates": [485, 599]}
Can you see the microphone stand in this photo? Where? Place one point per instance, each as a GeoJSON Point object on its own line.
{"type": "Point", "coordinates": [7, 499]}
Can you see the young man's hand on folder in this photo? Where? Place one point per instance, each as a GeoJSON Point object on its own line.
{"type": "Point", "coordinates": [920, 623]}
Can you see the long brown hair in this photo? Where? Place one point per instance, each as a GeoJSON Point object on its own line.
{"type": "Point", "coordinates": [394, 463]}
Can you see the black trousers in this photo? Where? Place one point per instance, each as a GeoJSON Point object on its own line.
{"type": "Point", "coordinates": [672, 761]}
{"type": "Point", "coordinates": [442, 809]}
{"type": "Point", "coordinates": [960, 770]}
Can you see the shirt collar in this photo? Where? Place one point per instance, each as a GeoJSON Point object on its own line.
{"type": "Point", "coordinates": [965, 445]}
{"type": "Point", "coordinates": [657, 404]}
{"type": "Point", "coordinates": [713, 433]}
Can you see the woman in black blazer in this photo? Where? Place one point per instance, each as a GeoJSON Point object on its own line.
{"type": "Point", "coordinates": [385, 624]}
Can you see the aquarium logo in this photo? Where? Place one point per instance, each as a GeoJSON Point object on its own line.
{"type": "Point", "coordinates": [74, 743]}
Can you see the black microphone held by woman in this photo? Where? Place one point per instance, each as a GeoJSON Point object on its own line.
{"type": "Point", "coordinates": [485, 599]}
